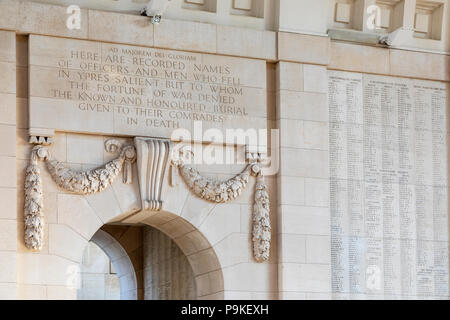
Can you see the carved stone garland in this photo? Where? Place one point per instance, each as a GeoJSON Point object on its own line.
{"type": "Point", "coordinates": [84, 183]}
{"type": "Point", "coordinates": [223, 191]}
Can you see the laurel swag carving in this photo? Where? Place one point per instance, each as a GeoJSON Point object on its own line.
{"type": "Point", "coordinates": [224, 191]}
{"type": "Point", "coordinates": [84, 183]}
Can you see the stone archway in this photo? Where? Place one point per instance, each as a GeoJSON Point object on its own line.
{"type": "Point", "coordinates": [202, 257]}
{"type": "Point", "coordinates": [121, 263]}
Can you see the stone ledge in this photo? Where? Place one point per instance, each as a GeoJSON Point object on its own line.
{"type": "Point", "coordinates": [44, 19]}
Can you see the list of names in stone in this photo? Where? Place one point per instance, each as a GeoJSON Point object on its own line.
{"type": "Point", "coordinates": [388, 170]}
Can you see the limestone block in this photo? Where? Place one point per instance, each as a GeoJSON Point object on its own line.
{"type": "Point", "coordinates": [11, 114]}
{"type": "Point", "coordinates": [289, 76]}
{"type": "Point", "coordinates": [303, 48]}
{"type": "Point", "coordinates": [318, 296]}
{"type": "Point", "coordinates": [22, 144]}
{"type": "Point", "coordinates": [315, 78]}
{"type": "Point", "coordinates": [204, 261]}
{"type": "Point", "coordinates": [426, 65]}
{"type": "Point", "coordinates": [302, 106]}
{"type": "Point", "coordinates": [238, 295]}
{"type": "Point", "coordinates": [45, 51]}
{"type": "Point", "coordinates": [176, 198]}
{"type": "Point", "coordinates": [85, 149]}
{"type": "Point", "coordinates": [264, 295]}
{"type": "Point", "coordinates": [7, 172]}
{"type": "Point", "coordinates": [8, 291]}
{"type": "Point", "coordinates": [22, 82]}
{"type": "Point", "coordinates": [292, 295]}
{"type": "Point", "coordinates": [291, 190]}
{"type": "Point", "coordinates": [176, 228]}
{"type": "Point", "coordinates": [61, 293]}
{"type": "Point", "coordinates": [7, 46]}
{"type": "Point", "coordinates": [214, 296]}
{"type": "Point", "coordinates": [195, 210]}
{"type": "Point", "coordinates": [234, 249]}
{"type": "Point", "coordinates": [41, 18]}
{"type": "Point", "coordinates": [123, 28]}
{"type": "Point", "coordinates": [9, 11]}
{"type": "Point", "coordinates": [9, 208]}
{"type": "Point", "coordinates": [8, 79]}
{"type": "Point", "coordinates": [47, 111]}
{"type": "Point", "coordinates": [359, 58]}
{"type": "Point", "coordinates": [8, 267]}
{"type": "Point", "coordinates": [246, 42]}
{"type": "Point", "coordinates": [65, 242]}
{"type": "Point", "coordinates": [318, 249]}
{"type": "Point", "coordinates": [315, 135]}
{"type": "Point", "coordinates": [209, 283]}
{"type": "Point", "coordinates": [292, 248]}
{"type": "Point", "coordinates": [51, 207]}
{"type": "Point", "coordinates": [8, 234]}
{"type": "Point", "coordinates": [306, 277]}
{"type": "Point", "coordinates": [303, 16]}
{"type": "Point", "coordinates": [258, 277]}
{"type": "Point", "coordinates": [184, 35]}
{"type": "Point", "coordinates": [75, 212]}
{"type": "Point", "coordinates": [7, 108]}
{"type": "Point", "coordinates": [305, 220]}
{"type": "Point", "coordinates": [8, 138]}
{"type": "Point", "coordinates": [192, 242]}
{"type": "Point", "coordinates": [305, 163]}
{"type": "Point", "coordinates": [224, 220]}
{"type": "Point", "coordinates": [105, 204]}
{"type": "Point", "coordinates": [246, 218]}
{"type": "Point", "coordinates": [317, 192]}
{"type": "Point", "coordinates": [32, 292]}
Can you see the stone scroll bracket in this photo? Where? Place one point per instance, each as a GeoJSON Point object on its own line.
{"type": "Point", "coordinates": [153, 159]}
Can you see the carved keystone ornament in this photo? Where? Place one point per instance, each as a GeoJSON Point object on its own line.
{"type": "Point", "coordinates": [153, 157]}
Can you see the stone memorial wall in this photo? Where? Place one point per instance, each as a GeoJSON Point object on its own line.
{"type": "Point", "coordinates": [95, 87]}
{"type": "Point", "coordinates": [389, 198]}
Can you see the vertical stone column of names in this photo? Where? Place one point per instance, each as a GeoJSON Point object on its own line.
{"type": "Point", "coordinates": [373, 188]}
{"type": "Point", "coordinates": [424, 192]}
{"type": "Point", "coordinates": [355, 186]}
{"type": "Point", "coordinates": [390, 187]}
{"type": "Point", "coordinates": [346, 162]}
{"type": "Point", "coordinates": [437, 98]}
{"type": "Point", "coordinates": [337, 102]}
{"type": "Point", "coordinates": [406, 179]}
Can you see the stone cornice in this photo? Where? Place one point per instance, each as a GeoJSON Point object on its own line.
{"type": "Point", "coordinates": [37, 18]}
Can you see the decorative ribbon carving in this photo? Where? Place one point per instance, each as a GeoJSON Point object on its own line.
{"type": "Point", "coordinates": [84, 183]}
{"type": "Point", "coordinates": [34, 203]}
{"type": "Point", "coordinates": [92, 181]}
{"type": "Point", "coordinates": [224, 191]}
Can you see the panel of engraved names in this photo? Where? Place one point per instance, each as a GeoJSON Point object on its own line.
{"type": "Point", "coordinates": [95, 87]}
{"type": "Point", "coordinates": [388, 187]}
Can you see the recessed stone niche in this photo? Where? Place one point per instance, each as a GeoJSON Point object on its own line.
{"type": "Point", "coordinates": [428, 18]}
{"type": "Point", "coordinates": [201, 5]}
{"type": "Point", "coordinates": [353, 14]}
{"type": "Point", "coordinates": [251, 8]}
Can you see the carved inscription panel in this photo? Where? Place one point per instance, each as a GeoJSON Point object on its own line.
{"type": "Point", "coordinates": [94, 87]}
{"type": "Point", "coordinates": [389, 196]}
